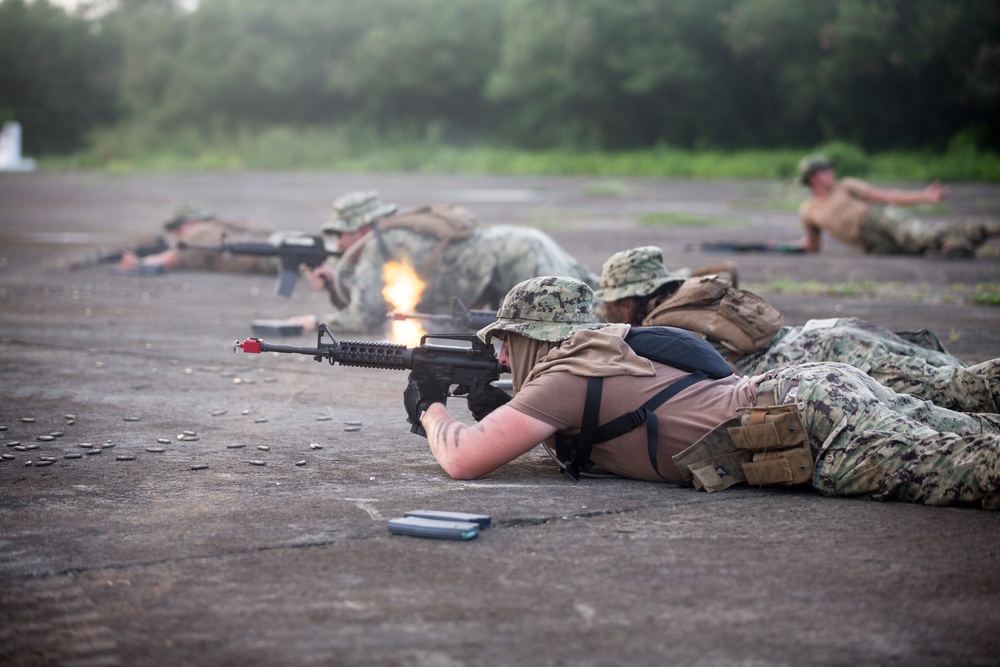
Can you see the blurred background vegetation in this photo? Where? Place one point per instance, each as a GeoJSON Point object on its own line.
{"type": "Point", "coordinates": [696, 88]}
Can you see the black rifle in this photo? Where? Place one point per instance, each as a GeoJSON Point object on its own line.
{"type": "Point", "coordinates": [293, 251]}
{"type": "Point", "coordinates": [461, 317]}
{"type": "Point", "coordinates": [471, 367]}
{"type": "Point", "coordinates": [151, 247]}
{"type": "Point", "coordinates": [740, 246]}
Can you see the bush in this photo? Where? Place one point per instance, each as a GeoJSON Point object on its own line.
{"type": "Point", "coordinates": [847, 159]}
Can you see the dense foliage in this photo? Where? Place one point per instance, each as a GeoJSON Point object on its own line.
{"type": "Point", "coordinates": [576, 74]}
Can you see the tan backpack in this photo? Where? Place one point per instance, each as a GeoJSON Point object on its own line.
{"type": "Point", "coordinates": [737, 319]}
{"type": "Point", "coordinates": [445, 222]}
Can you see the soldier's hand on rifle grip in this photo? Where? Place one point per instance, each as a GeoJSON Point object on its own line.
{"type": "Point", "coordinates": [484, 401]}
{"type": "Point", "coordinates": [420, 392]}
{"type": "Point", "coordinates": [320, 278]}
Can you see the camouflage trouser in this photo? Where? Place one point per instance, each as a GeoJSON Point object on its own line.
{"type": "Point", "coordinates": [889, 230]}
{"type": "Point", "coordinates": [524, 253]}
{"type": "Point", "coordinates": [897, 363]}
{"type": "Point", "coordinates": [871, 441]}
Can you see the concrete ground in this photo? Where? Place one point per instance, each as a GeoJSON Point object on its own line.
{"type": "Point", "coordinates": [112, 560]}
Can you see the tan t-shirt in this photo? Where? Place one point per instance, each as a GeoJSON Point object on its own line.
{"type": "Point", "coordinates": [841, 213]}
{"type": "Point", "coordinates": [212, 232]}
{"type": "Point", "coordinates": [557, 398]}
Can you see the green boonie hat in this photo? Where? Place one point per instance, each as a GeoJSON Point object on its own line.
{"type": "Point", "coordinates": [635, 272]}
{"type": "Point", "coordinates": [810, 164]}
{"type": "Point", "coordinates": [354, 210]}
{"type": "Point", "coordinates": [549, 308]}
{"type": "Point", "coordinates": [187, 213]}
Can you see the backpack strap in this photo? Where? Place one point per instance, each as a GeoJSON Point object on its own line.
{"type": "Point", "coordinates": [653, 423]}
{"type": "Point", "coordinates": [380, 240]}
{"type": "Point", "coordinates": [576, 455]}
{"type": "Point", "coordinates": [575, 452]}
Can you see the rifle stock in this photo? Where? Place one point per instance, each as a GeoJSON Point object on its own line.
{"type": "Point", "coordinates": [473, 365]}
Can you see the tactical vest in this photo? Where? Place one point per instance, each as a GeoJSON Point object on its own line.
{"type": "Point", "coordinates": [666, 345]}
{"type": "Point", "coordinates": [737, 319]}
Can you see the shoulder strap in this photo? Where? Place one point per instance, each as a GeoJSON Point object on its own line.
{"type": "Point", "coordinates": [591, 434]}
{"type": "Point", "coordinates": [584, 443]}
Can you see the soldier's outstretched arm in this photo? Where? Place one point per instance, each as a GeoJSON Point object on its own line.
{"type": "Point", "coordinates": [469, 452]}
{"type": "Point", "coordinates": [932, 194]}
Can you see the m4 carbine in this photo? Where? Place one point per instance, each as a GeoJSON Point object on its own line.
{"type": "Point", "coordinates": [467, 363]}
{"type": "Point", "coordinates": [293, 250]}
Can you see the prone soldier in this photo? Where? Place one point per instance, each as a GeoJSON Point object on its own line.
{"type": "Point", "coordinates": [674, 416]}
{"type": "Point", "coordinates": [872, 220]}
{"type": "Point", "coordinates": [190, 226]}
{"type": "Point", "coordinates": [637, 289]}
{"type": "Point", "coordinates": [447, 247]}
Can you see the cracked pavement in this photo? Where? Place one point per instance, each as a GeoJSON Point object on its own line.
{"type": "Point", "coordinates": [147, 561]}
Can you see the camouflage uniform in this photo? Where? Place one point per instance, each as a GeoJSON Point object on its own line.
{"type": "Point", "coordinates": [478, 269]}
{"type": "Point", "coordinates": [882, 229]}
{"type": "Point", "coordinates": [890, 230]}
{"type": "Point", "coordinates": [904, 366]}
{"type": "Point", "coordinates": [866, 439]}
{"type": "Point", "coordinates": [915, 364]}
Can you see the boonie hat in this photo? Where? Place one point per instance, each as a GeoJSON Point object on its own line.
{"type": "Point", "coordinates": [354, 210]}
{"type": "Point", "coordinates": [549, 308]}
{"type": "Point", "coordinates": [634, 272]}
{"type": "Point", "coordinates": [187, 213]}
{"type": "Point", "coordinates": [810, 164]}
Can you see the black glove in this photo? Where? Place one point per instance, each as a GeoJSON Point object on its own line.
{"type": "Point", "coordinates": [420, 392]}
{"type": "Point", "coordinates": [484, 401]}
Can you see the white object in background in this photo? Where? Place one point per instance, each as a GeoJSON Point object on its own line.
{"type": "Point", "coordinates": [10, 149]}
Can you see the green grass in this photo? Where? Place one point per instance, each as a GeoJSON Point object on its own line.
{"type": "Point", "coordinates": [608, 189]}
{"type": "Point", "coordinates": [135, 148]}
{"type": "Point", "coordinates": [983, 294]}
{"type": "Point", "coordinates": [688, 220]}
{"type": "Point", "coordinates": [814, 288]}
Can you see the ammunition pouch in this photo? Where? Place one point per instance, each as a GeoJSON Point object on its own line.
{"type": "Point", "coordinates": [762, 445]}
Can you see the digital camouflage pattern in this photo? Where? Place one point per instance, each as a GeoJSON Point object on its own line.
{"type": "Point", "coordinates": [479, 269]}
{"type": "Point", "coordinates": [520, 253]}
{"type": "Point", "coordinates": [904, 366]}
{"type": "Point", "coordinates": [635, 272]}
{"type": "Point", "coordinates": [870, 441]}
{"type": "Point", "coordinates": [354, 210]}
{"type": "Point", "coordinates": [890, 230]}
{"type": "Point", "coordinates": [548, 308]}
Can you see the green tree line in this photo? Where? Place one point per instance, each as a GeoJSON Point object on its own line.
{"type": "Point", "coordinates": [571, 74]}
